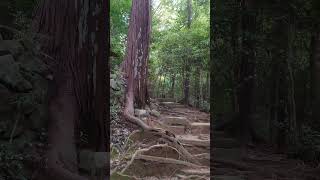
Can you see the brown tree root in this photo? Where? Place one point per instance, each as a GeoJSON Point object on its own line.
{"type": "Point", "coordinates": [194, 177]}
{"type": "Point", "coordinates": [138, 155]}
{"type": "Point", "coordinates": [166, 160]}
{"type": "Point", "coordinates": [164, 135]}
{"type": "Point", "coordinates": [55, 169]}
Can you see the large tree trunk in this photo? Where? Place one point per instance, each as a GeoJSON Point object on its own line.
{"type": "Point", "coordinates": [63, 113]}
{"type": "Point", "coordinates": [100, 49]}
{"type": "Point", "coordinates": [280, 39]}
{"type": "Point", "coordinates": [65, 99]}
{"type": "Point", "coordinates": [246, 69]}
{"type": "Point", "coordinates": [76, 95]}
{"type": "Point", "coordinates": [135, 65]}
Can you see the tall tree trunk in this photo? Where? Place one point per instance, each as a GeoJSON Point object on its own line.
{"type": "Point", "coordinates": [186, 84]}
{"type": "Point", "coordinates": [76, 96]}
{"type": "Point", "coordinates": [280, 56]}
{"type": "Point", "coordinates": [68, 97]}
{"type": "Point", "coordinates": [173, 82]}
{"type": "Point", "coordinates": [135, 67]}
{"type": "Point", "coordinates": [237, 49]}
{"type": "Point", "coordinates": [247, 68]}
{"type": "Point", "coordinates": [197, 87]}
{"type": "Point", "coordinates": [136, 60]}
{"type": "Point", "coordinates": [291, 88]}
{"type": "Point", "coordinates": [186, 63]}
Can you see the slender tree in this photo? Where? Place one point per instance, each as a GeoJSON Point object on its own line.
{"type": "Point", "coordinates": [187, 60]}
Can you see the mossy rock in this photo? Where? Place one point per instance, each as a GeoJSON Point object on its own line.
{"type": "Point", "coordinates": [114, 153]}
{"type": "Point", "coordinates": [10, 75]}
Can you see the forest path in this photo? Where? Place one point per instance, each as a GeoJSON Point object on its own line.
{"type": "Point", "coordinates": [155, 160]}
{"type": "Point", "coordinates": [232, 163]}
{"type": "Point", "coordinates": [191, 128]}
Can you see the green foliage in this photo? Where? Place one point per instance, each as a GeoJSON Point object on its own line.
{"type": "Point", "coordinates": [11, 163]}
{"type": "Point", "coordinates": [117, 95]}
{"type": "Point", "coordinates": [308, 148]}
{"type": "Point", "coordinates": [175, 46]}
{"type": "Point", "coordinates": [119, 13]}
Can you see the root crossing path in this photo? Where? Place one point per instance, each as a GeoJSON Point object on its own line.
{"type": "Point", "coordinates": [160, 160]}
{"type": "Point", "coordinates": [157, 159]}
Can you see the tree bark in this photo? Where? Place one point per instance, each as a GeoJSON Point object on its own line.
{"type": "Point", "coordinates": [247, 69]}
{"type": "Point", "coordinates": [186, 84]}
{"type": "Point", "coordinates": [135, 67]}
{"type": "Point", "coordinates": [67, 92]}
{"type": "Point", "coordinates": [197, 87]}
{"type": "Point", "coordinates": [136, 60]}
{"type": "Point", "coordinates": [173, 82]}
{"type": "Point", "coordinates": [76, 42]}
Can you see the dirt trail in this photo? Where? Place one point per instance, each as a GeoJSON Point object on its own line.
{"type": "Point", "coordinates": [156, 159]}
{"type": "Point", "coordinates": [231, 163]}
{"type": "Point", "coordinates": [159, 160]}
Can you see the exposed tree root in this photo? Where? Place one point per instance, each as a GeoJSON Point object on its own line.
{"type": "Point", "coordinates": [55, 169]}
{"type": "Point", "coordinates": [163, 134]}
{"type": "Point", "coordinates": [166, 160]}
{"type": "Point", "coordinates": [138, 155]}
{"type": "Point", "coordinates": [194, 176]}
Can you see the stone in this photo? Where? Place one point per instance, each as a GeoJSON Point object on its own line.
{"type": "Point", "coordinates": [12, 47]}
{"type": "Point", "coordinates": [153, 106]}
{"type": "Point", "coordinates": [5, 100]}
{"type": "Point", "coordinates": [200, 128]}
{"type": "Point", "coordinates": [90, 160]}
{"type": "Point", "coordinates": [174, 120]}
{"type": "Point", "coordinates": [155, 113]}
{"type": "Point", "coordinates": [113, 84]}
{"type": "Point", "coordinates": [193, 140]}
{"type": "Point", "coordinates": [141, 113]}
{"type": "Point", "coordinates": [40, 86]}
{"type": "Point", "coordinates": [177, 130]}
{"type": "Point", "coordinates": [10, 75]}
{"type": "Point", "coordinates": [31, 64]}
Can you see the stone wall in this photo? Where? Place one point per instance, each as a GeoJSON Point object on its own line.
{"type": "Point", "coordinates": [23, 89]}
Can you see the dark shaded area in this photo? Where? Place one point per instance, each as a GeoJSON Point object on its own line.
{"type": "Point", "coordinates": [54, 92]}
{"type": "Point", "coordinates": [264, 83]}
